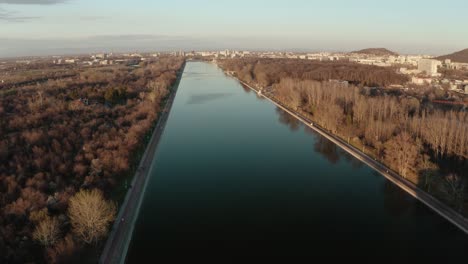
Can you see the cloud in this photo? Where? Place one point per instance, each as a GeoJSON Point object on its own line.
{"type": "Point", "coordinates": [33, 2]}
{"type": "Point", "coordinates": [11, 16]}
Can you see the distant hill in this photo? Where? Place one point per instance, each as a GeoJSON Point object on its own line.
{"type": "Point", "coordinates": [460, 56]}
{"type": "Point", "coordinates": [377, 52]}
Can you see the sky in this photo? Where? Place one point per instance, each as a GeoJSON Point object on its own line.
{"type": "Point", "coordinates": [46, 27]}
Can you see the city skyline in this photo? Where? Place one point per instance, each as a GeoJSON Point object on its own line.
{"type": "Point", "coordinates": [45, 27]}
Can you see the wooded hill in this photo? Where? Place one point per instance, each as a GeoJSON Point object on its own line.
{"type": "Point", "coordinates": [459, 56]}
{"type": "Point", "coordinates": [377, 52]}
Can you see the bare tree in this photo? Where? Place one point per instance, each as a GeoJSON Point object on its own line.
{"type": "Point", "coordinates": [401, 153]}
{"type": "Point", "coordinates": [157, 91]}
{"type": "Point", "coordinates": [90, 215]}
{"type": "Point", "coordinates": [47, 232]}
{"type": "Point", "coordinates": [454, 190]}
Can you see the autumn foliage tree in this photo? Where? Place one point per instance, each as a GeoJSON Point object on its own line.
{"type": "Point", "coordinates": [402, 154]}
{"type": "Point", "coordinates": [90, 215]}
{"type": "Point", "coordinates": [335, 95]}
{"type": "Point", "coordinates": [63, 251]}
{"type": "Point", "coordinates": [47, 232]}
{"type": "Point", "coordinates": [64, 128]}
{"type": "Point", "coordinates": [269, 71]}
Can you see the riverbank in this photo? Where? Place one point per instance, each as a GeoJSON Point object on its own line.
{"type": "Point", "coordinates": [409, 187]}
{"type": "Point", "coordinates": [118, 242]}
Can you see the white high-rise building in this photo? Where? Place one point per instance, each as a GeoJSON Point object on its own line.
{"type": "Point", "coordinates": [429, 66]}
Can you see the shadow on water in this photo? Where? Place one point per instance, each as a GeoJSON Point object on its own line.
{"type": "Point", "coordinates": [288, 119]}
{"type": "Point", "coordinates": [328, 149]}
{"type": "Point", "coordinates": [203, 98]}
{"type": "Point", "coordinates": [246, 89]}
{"type": "Point", "coordinates": [396, 202]}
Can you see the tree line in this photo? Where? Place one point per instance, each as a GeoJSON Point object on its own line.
{"type": "Point", "coordinates": [269, 71]}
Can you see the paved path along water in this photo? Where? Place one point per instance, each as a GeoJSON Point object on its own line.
{"type": "Point", "coordinates": [234, 175]}
{"type": "Point", "coordinates": [119, 239]}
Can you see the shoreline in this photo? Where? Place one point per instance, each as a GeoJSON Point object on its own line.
{"type": "Point", "coordinates": [433, 203]}
{"type": "Point", "coordinates": [119, 239]}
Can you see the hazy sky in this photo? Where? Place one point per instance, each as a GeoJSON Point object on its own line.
{"type": "Point", "coordinates": [30, 27]}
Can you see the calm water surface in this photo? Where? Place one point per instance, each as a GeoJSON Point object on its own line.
{"type": "Point", "coordinates": [234, 175]}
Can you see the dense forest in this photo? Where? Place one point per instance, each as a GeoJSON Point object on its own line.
{"type": "Point", "coordinates": [266, 72]}
{"type": "Point", "coordinates": [67, 137]}
{"type": "Point", "coordinates": [413, 138]}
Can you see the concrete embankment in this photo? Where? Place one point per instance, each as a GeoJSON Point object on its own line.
{"type": "Point", "coordinates": [409, 187]}
{"type": "Point", "coordinates": [118, 242]}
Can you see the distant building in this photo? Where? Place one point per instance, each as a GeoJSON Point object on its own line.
{"type": "Point", "coordinates": [417, 80]}
{"type": "Point", "coordinates": [429, 66]}
{"type": "Point", "coordinates": [100, 56]}
{"type": "Point", "coordinates": [340, 82]}
{"type": "Point", "coordinates": [459, 66]}
{"type": "Point", "coordinates": [225, 53]}
{"type": "Point", "coordinates": [206, 54]}
{"type": "Point", "coordinates": [406, 71]}
{"type": "Point", "coordinates": [453, 86]}
{"type": "Point", "coordinates": [382, 64]}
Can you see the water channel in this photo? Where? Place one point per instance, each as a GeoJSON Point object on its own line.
{"type": "Point", "coordinates": [233, 175]}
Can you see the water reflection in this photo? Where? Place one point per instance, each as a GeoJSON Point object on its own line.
{"type": "Point", "coordinates": [203, 98]}
{"type": "Point", "coordinates": [355, 163]}
{"type": "Point", "coordinates": [199, 75]}
{"type": "Point", "coordinates": [328, 150]}
{"type": "Point", "coordinates": [288, 119]}
{"type": "Point", "coordinates": [246, 89]}
{"type": "Point", "coordinates": [273, 195]}
{"type": "Point", "coordinates": [322, 145]}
